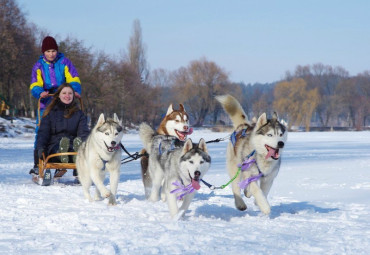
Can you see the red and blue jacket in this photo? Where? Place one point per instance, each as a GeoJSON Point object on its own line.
{"type": "Point", "coordinates": [48, 76]}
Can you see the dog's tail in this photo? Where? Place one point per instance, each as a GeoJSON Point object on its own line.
{"type": "Point", "coordinates": [146, 135]}
{"type": "Point", "coordinates": [233, 108]}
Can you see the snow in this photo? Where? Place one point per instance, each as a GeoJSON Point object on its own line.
{"type": "Point", "coordinates": [320, 205]}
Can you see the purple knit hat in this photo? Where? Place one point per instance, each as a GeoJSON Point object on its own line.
{"type": "Point", "coordinates": [49, 43]}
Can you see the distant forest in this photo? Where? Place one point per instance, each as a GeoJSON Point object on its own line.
{"type": "Point", "coordinates": [311, 96]}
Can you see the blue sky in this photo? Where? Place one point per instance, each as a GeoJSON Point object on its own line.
{"type": "Point", "coordinates": [254, 41]}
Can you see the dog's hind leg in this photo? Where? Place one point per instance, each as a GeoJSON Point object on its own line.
{"type": "Point", "coordinates": [239, 202]}
{"type": "Point", "coordinates": [113, 179]}
{"type": "Point", "coordinates": [156, 183]}
{"type": "Point", "coordinates": [86, 184]}
{"type": "Point", "coordinates": [145, 176]}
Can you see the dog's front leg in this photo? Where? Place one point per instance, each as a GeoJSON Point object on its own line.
{"type": "Point", "coordinates": [266, 183]}
{"type": "Point", "coordinates": [186, 203]}
{"type": "Point", "coordinates": [171, 198]}
{"type": "Point", "coordinates": [98, 177]}
{"type": "Point", "coordinates": [259, 197]}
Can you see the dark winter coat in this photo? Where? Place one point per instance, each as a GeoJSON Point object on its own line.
{"type": "Point", "coordinates": [54, 126]}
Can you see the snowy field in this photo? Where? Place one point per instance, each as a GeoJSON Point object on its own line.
{"type": "Point", "coordinates": [320, 205]}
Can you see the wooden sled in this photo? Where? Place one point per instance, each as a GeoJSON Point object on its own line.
{"type": "Point", "coordinates": [45, 177]}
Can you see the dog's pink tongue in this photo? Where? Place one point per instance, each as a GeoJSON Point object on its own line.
{"type": "Point", "coordinates": [190, 131]}
{"type": "Point", "coordinates": [195, 184]}
{"type": "Point", "coordinates": [271, 152]}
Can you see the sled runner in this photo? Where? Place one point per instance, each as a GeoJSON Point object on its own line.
{"type": "Point", "coordinates": [44, 177]}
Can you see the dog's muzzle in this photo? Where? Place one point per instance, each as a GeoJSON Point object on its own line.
{"type": "Point", "coordinates": [273, 152]}
{"type": "Point", "coordinates": [112, 148]}
{"type": "Point", "coordinates": [195, 181]}
{"type": "Point", "coordinates": [183, 134]}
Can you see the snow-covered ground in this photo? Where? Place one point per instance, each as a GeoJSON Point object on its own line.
{"type": "Point", "coordinates": [320, 205]}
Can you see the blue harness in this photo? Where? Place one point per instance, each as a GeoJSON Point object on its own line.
{"type": "Point", "coordinates": [234, 138]}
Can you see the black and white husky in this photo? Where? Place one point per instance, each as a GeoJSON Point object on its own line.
{"type": "Point", "coordinates": [99, 154]}
{"type": "Point", "coordinates": [175, 166]}
{"type": "Point", "coordinates": [256, 149]}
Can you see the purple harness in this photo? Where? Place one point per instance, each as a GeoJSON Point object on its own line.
{"type": "Point", "coordinates": [244, 167]}
{"type": "Point", "coordinates": [183, 190]}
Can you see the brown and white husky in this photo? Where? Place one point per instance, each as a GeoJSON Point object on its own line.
{"type": "Point", "coordinates": [174, 124]}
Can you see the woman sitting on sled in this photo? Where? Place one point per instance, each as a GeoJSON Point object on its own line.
{"type": "Point", "coordinates": [63, 126]}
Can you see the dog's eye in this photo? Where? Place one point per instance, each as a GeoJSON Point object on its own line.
{"type": "Point", "coordinates": [269, 135]}
{"type": "Point", "coordinates": [281, 135]}
{"type": "Point", "coordinates": [201, 162]}
{"type": "Point", "coordinates": [106, 133]}
{"type": "Point", "coordinates": [116, 134]}
{"type": "Point", "coordinates": [191, 162]}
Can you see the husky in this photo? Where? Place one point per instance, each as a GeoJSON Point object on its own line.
{"type": "Point", "coordinates": [99, 154]}
{"type": "Point", "coordinates": [176, 124]}
{"type": "Point", "coordinates": [175, 166]}
{"type": "Point", "coordinates": [263, 140]}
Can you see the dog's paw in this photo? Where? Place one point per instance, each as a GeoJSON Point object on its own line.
{"type": "Point", "coordinates": [239, 204]}
{"type": "Point", "coordinates": [247, 193]}
{"type": "Point", "coordinates": [264, 206]}
{"type": "Point", "coordinates": [106, 193]}
{"type": "Point", "coordinates": [112, 201]}
{"type": "Point", "coordinates": [179, 215]}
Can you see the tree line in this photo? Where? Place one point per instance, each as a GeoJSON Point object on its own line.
{"type": "Point", "coordinates": [313, 95]}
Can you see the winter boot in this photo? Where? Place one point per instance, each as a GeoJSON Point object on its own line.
{"type": "Point", "coordinates": [63, 147]}
{"type": "Point", "coordinates": [35, 169]}
{"type": "Point", "coordinates": [59, 173]}
{"type": "Point", "coordinates": [76, 144]}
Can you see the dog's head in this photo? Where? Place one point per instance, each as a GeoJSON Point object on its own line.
{"type": "Point", "coordinates": [194, 162]}
{"type": "Point", "coordinates": [110, 132]}
{"type": "Point", "coordinates": [269, 137]}
{"type": "Point", "coordinates": [175, 123]}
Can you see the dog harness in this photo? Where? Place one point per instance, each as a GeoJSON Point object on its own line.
{"type": "Point", "coordinates": [116, 148]}
{"type": "Point", "coordinates": [171, 149]}
{"type": "Point", "coordinates": [182, 189]}
{"type": "Point", "coordinates": [244, 166]}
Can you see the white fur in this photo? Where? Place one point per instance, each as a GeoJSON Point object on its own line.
{"type": "Point", "coordinates": [253, 141]}
{"type": "Point", "coordinates": [91, 157]}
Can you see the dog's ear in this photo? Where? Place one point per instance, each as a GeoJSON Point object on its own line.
{"type": "Point", "coordinates": [182, 108]}
{"type": "Point", "coordinates": [169, 110]}
{"type": "Point", "coordinates": [202, 145]}
{"type": "Point", "coordinates": [116, 119]}
{"type": "Point", "coordinates": [187, 146]}
{"type": "Point", "coordinates": [262, 120]}
{"type": "Point", "coordinates": [101, 120]}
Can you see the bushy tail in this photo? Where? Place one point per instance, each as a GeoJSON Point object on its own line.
{"type": "Point", "coordinates": [146, 134]}
{"type": "Point", "coordinates": [233, 108]}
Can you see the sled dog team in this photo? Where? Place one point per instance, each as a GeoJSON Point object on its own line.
{"type": "Point", "coordinates": [176, 165]}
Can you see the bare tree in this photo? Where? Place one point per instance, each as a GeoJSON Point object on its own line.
{"type": "Point", "coordinates": [137, 52]}
{"type": "Point", "coordinates": [197, 85]}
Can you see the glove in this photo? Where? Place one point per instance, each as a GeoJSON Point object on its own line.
{"type": "Point", "coordinates": [40, 152]}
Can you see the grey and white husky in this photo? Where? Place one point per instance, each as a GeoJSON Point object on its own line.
{"type": "Point", "coordinates": [99, 154]}
{"type": "Point", "coordinates": [258, 145]}
{"type": "Point", "coordinates": [175, 166]}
